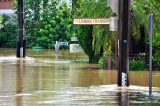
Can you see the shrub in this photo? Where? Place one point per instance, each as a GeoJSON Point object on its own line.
{"type": "Point", "coordinates": [138, 64]}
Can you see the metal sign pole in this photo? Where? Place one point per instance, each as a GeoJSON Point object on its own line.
{"type": "Point", "coordinates": [150, 53]}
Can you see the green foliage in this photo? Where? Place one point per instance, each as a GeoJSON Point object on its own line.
{"type": "Point", "coordinates": [138, 19]}
{"type": "Point", "coordinates": [156, 39]}
{"type": "Point", "coordinates": [46, 21]}
{"type": "Point", "coordinates": [52, 23]}
{"type": "Point", "coordinates": [137, 65]}
{"type": "Point", "coordinates": [156, 48]}
{"type": "Point", "coordinates": [156, 57]}
{"type": "Point", "coordinates": [1, 20]}
{"type": "Point", "coordinates": [8, 31]}
{"type": "Point", "coordinates": [95, 40]}
{"type": "Point", "coordinates": [141, 9]}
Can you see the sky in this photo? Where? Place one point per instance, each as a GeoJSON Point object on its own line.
{"type": "Point", "coordinates": [68, 1]}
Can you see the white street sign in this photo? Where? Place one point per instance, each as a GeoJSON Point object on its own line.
{"type": "Point", "coordinates": [91, 21]}
{"type": "Point", "coordinates": [112, 21]}
{"type": "Point", "coordinates": [75, 48]}
{"type": "Point", "coordinates": [113, 26]}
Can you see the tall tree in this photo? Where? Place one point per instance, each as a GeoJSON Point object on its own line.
{"type": "Point", "coordinates": [55, 23]}
{"type": "Point", "coordinates": [45, 2]}
{"type": "Point", "coordinates": [140, 11]}
{"type": "Point", "coordinates": [94, 39]}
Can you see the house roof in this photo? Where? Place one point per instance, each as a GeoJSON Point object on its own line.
{"type": "Point", "coordinates": [6, 4]}
{"type": "Point", "coordinates": [6, 7]}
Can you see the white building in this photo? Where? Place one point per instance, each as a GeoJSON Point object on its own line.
{"type": "Point", "coordinates": [6, 7]}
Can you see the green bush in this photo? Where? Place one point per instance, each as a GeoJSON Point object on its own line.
{"type": "Point", "coordinates": [54, 23]}
{"type": "Point", "coordinates": [156, 57]}
{"type": "Point", "coordinates": [138, 64]}
{"type": "Point", "coordinates": [8, 33]}
{"type": "Point", "coordinates": [156, 49]}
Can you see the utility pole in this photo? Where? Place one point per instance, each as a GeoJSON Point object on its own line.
{"type": "Point", "coordinates": [21, 38]}
{"type": "Point", "coordinates": [124, 36]}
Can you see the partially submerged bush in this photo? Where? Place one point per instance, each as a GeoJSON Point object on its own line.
{"type": "Point", "coordinates": [137, 64]}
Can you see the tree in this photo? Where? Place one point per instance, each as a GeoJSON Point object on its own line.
{"type": "Point", "coordinates": [8, 33]}
{"type": "Point", "coordinates": [141, 9]}
{"type": "Point", "coordinates": [1, 19]}
{"type": "Point", "coordinates": [95, 40]}
{"type": "Point", "coordinates": [54, 24]}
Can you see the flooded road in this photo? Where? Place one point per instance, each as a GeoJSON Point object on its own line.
{"type": "Point", "coordinates": [44, 78]}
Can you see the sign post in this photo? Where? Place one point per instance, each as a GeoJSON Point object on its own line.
{"type": "Point", "coordinates": [74, 46]}
{"type": "Point", "coordinates": [150, 53]}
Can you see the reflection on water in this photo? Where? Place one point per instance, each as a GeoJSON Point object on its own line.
{"type": "Point", "coordinates": [19, 83]}
{"type": "Point", "coordinates": [47, 79]}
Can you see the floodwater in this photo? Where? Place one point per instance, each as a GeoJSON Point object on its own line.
{"type": "Point", "coordinates": [45, 78]}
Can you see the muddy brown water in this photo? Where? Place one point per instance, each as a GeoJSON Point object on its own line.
{"type": "Point", "coordinates": [46, 78]}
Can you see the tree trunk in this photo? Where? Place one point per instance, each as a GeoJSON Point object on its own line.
{"type": "Point", "coordinates": [94, 59]}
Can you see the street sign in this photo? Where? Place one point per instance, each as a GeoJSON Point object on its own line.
{"type": "Point", "coordinates": [59, 44]}
{"type": "Point", "coordinates": [75, 48]}
{"type": "Point", "coordinates": [113, 26]}
{"type": "Point", "coordinates": [74, 39]}
{"type": "Point", "coordinates": [112, 21]}
{"type": "Point", "coordinates": [91, 21]}
{"type": "Point", "coordinates": [62, 43]}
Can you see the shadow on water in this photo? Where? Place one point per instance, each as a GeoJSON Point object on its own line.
{"type": "Point", "coordinates": [44, 78]}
